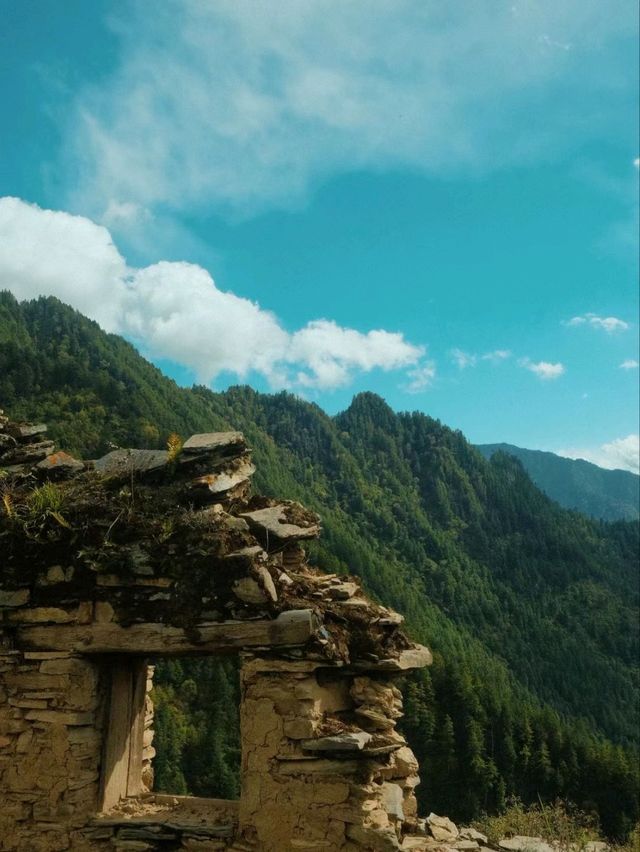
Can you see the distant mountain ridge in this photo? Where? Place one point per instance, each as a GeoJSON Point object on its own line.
{"type": "Point", "coordinates": [611, 495]}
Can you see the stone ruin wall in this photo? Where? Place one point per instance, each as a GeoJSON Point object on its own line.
{"type": "Point", "coordinates": [323, 766]}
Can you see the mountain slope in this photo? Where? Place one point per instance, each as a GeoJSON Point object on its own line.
{"type": "Point", "coordinates": [577, 484]}
{"type": "Point", "coordinates": [531, 609]}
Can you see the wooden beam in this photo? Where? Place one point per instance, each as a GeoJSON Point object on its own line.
{"type": "Point", "coordinates": [293, 628]}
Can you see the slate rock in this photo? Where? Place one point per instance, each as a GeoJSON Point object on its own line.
{"type": "Point", "coordinates": [343, 591]}
{"type": "Point", "coordinates": [124, 463]}
{"type": "Point", "coordinates": [273, 522]}
{"type": "Point", "coordinates": [59, 465]}
{"type": "Point", "coordinates": [374, 719]}
{"type": "Point", "coordinates": [392, 798]}
{"type": "Point", "coordinates": [470, 833]}
{"type": "Point", "coordinates": [411, 658]}
{"type": "Point", "coordinates": [223, 443]}
{"type": "Point", "coordinates": [7, 442]}
{"type": "Point", "coordinates": [524, 843]}
{"type": "Point", "coordinates": [442, 828]}
{"type": "Point", "coordinates": [217, 486]}
{"type": "Point", "coordinates": [347, 741]}
{"type": "Point", "coordinates": [23, 453]}
{"type": "Point", "coordinates": [25, 431]}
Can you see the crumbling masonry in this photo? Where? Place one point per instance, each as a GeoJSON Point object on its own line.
{"type": "Point", "coordinates": [149, 553]}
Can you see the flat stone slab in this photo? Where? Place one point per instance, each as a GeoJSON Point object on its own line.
{"type": "Point", "coordinates": [127, 462]}
{"type": "Point", "coordinates": [6, 442]}
{"type": "Point", "coordinates": [14, 597]}
{"type": "Point", "coordinates": [470, 833]}
{"type": "Point", "coordinates": [392, 800]}
{"type": "Point", "coordinates": [524, 843]}
{"type": "Point", "coordinates": [415, 844]}
{"type": "Point", "coordinates": [348, 741]}
{"type": "Point", "coordinates": [442, 828]}
{"type": "Point", "coordinates": [26, 431]}
{"type": "Point", "coordinates": [273, 521]}
{"type": "Point", "coordinates": [60, 465]}
{"type": "Point", "coordinates": [342, 591]}
{"type": "Point", "coordinates": [215, 485]}
{"type": "Point", "coordinates": [416, 657]}
{"type": "Point", "coordinates": [208, 442]}
{"type": "Point", "coordinates": [23, 453]}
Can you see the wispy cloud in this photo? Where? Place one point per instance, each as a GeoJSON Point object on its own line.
{"type": "Point", "coordinates": [629, 364]}
{"type": "Point", "coordinates": [463, 359]}
{"type": "Point", "coordinates": [175, 311]}
{"type": "Point", "coordinates": [421, 378]}
{"type": "Point", "coordinates": [608, 324]}
{"type": "Point", "coordinates": [242, 104]}
{"type": "Point", "coordinates": [622, 453]}
{"type": "Point", "coordinates": [497, 356]}
{"type": "Point", "coordinates": [545, 370]}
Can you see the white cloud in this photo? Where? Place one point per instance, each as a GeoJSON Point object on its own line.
{"type": "Point", "coordinates": [331, 352]}
{"type": "Point", "coordinates": [497, 356]}
{"type": "Point", "coordinates": [421, 378]}
{"type": "Point", "coordinates": [636, 162]}
{"type": "Point", "coordinates": [608, 324]}
{"type": "Point", "coordinates": [124, 213]}
{"type": "Point", "coordinates": [623, 453]}
{"type": "Point", "coordinates": [543, 369]}
{"type": "Point", "coordinates": [45, 252]}
{"type": "Point", "coordinates": [175, 311]}
{"type": "Point", "coordinates": [629, 364]}
{"type": "Point", "coordinates": [245, 103]}
{"type": "Point", "coordinates": [463, 359]}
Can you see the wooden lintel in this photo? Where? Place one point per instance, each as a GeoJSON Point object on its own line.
{"type": "Point", "coordinates": [293, 628]}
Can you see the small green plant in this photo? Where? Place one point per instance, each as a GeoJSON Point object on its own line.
{"type": "Point", "coordinates": [45, 498]}
{"type": "Point", "coordinates": [45, 501]}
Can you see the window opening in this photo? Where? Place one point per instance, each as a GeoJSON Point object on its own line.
{"type": "Point", "coordinates": [172, 727]}
{"type": "Point", "coordinates": [197, 726]}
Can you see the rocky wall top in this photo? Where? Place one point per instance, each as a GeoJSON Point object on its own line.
{"type": "Point", "coordinates": [172, 537]}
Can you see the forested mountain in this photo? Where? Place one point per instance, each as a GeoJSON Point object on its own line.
{"type": "Point", "coordinates": [577, 484]}
{"type": "Point", "coordinates": [531, 609]}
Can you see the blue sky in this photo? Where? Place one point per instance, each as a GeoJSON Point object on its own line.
{"type": "Point", "coordinates": [434, 201]}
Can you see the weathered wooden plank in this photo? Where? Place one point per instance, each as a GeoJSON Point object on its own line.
{"type": "Point", "coordinates": [291, 628]}
{"type": "Point", "coordinates": [136, 746]}
{"type": "Point", "coordinates": [115, 758]}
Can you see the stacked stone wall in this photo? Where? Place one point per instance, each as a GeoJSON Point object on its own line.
{"type": "Point", "coordinates": [143, 554]}
{"type": "Point", "coordinates": [51, 733]}
{"type": "Point", "coordinates": [323, 767]}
